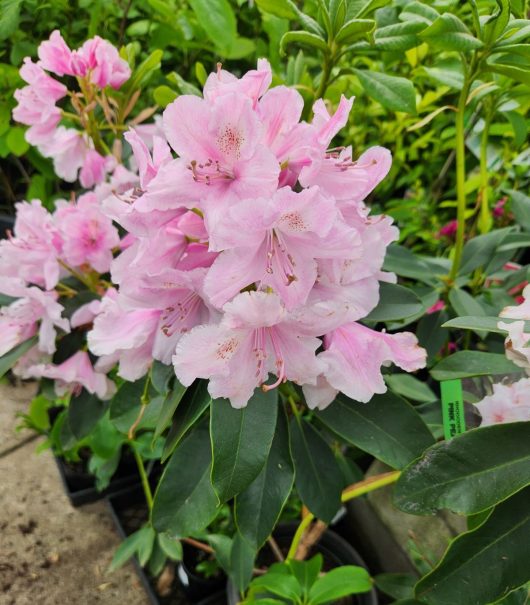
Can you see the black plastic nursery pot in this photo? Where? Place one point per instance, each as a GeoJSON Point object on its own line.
{"type": "Point", "coordinates": [334, 550]}
{"type": "Point", "coordinates": [80, 485]}
{"type": "Point", "coordinates": [129, 512]}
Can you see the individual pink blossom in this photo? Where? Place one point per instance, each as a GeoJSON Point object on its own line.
{"type": "Point", "coordinates": [94, 168]}
{"type": "Point", "coordinates": [32, 252]}
{"type": "Point", "coordinates": [88, 235]}
{"type": "Point", "coordinates": [36, 102]}
{"type": "Point", "coordinates": [34, 311]}
{"type": "Point", "coordinates": [85, 314]}
{"type": "Point", "coordinates": [507, 403]}
{"type": "Point", "coordinates": [221, 158]}
{"type": "Point", "coordinates": [275, 242]}
{"type": "Point", "coordinates": [255, 337]}
{"type": "Point", "coordinates": [74, 374]}
{"type": "Point", "coordinates": [148, 165]}
{"type": "Point", "coordinates": [353, 357]}
{"type": "Point", "coordinates": [123, 336]}
{"type": "Point", "coordinates": [104, 66]}
{"type": "Point", "coordinates": [253, 84]}
{"type": "Point", "coordinates": [67, 148]}
{"type": "Point", "coordinates": [55, 55]}
{"type": "Point", "coordinates": [499, 209]}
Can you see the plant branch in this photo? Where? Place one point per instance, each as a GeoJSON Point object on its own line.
{"type": "Point", "coordinates": [143, 476]}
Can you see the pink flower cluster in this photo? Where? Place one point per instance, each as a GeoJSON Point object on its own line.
{"type": "Point", "coordinates": [96, 65]}
{"type": "Point", "coordinates": [507, 403]}
{"type": "Point", "coordinates": [44, 248]}
{"type": "Point", "coordinates": [252, 254]}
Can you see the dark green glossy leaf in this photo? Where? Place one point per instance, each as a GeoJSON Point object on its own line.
{"type": "Point", "coordinates": [171, 401]}
{"type": "Point", "coordinates": [468, 474]}
{"type": "Point", "coordinates": [484, 565]}
{"type": "Point", "coordinates": [185, 502]}
{"type": "Point", "coordinates": [84, 412]}
{"type": "Point", "coordinates": [258, 507]}
{"type": "Point", "coordinates": [410, 387]}
{"type": "Point", "coordinates": [302, 38]}
{"type": "Point", "coordinates": [395, 302]}
{"type": "Point", "coordinates": [193, 404]}
{"type": "Point", "coordinates": [450, 33]}
{"type": "Point", "coordinates": [520, 207]}
{"type": "Point", "coordinates": [484, 324]}
{"type": "Point", "coordinates": [241, 562]}
{"type": "Point", "coordinates": [479, 250]}
{"type": "Point", "coordinates": [396, 585]}
{"type": "Point", "coordinates": [387, 427]}
{"type": "Point", "coordinates": [241, 441]}
{"type": "Point", "coordinates": [317, 475]}
{"type": "Point", "coordinates": [464, 304]}
{"type": "Point", "coordinates": [126, 404]}
{"type": "Point", "coordinates": [8, 360]}
{"type": "Point", "coordinates": [464, 364]}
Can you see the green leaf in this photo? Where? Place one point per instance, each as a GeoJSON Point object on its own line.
{"type": "Point", "coordinates": [302, 38]}
{"type": "Point", "coordinates": [317, 475]}
{"type": "Point", "coordinates": [484, 565]}
{"type": "Point", "coordinates": [519, 74]}
{"type": "Point", "coordinates": [241, 441]}
{"type": "Point", "coordinates": [241, 562]}
{"type": "Point", "coordinates": [480, 250]}
{"type": "Point", "coordinates": [404, 262]}
{"type": "Point", "coordinates": [171, 401]}
{"type": "Point", "coordinates": [521, 208]}
{"type": "Point", "coordinates": [192, 406]}
{"type": "Point", "coordinates": [362, 8]}
{"type": "Point", "coordinates": [418, 11]}
{"type": "Point", "coordinates": [258, 507]}
{"type": "Point", "coordinates": [484, 324]}
{"type": "Point", "coordinates": [306, 572]}
{"type": "Point", "coordinates": [339, 583]}
{"type": "Point", "coordinates": [395, 302]}
{"type": "Point", "coordinates": [399, 36]}
{"type": "Point", "coordinates": [448, 32]}
{"type": "Point", "coordinates": [494, 26]}
{"type": "Point", "coordinates": [354, 29]}
{"type": "Point", "coordinates": [518, 123]}
{"type": "Point", "coordinates": [38, 413]}
{"type": "Point", "coordinates": [139, 543]}
{"type": "Point", "coordinates": [16, 140]}
{"type": "Point", "coordinates": [410, 387]}
{"type": "Point", "coordinates": [84, 411]}
{"type": "Point", "coordinates": [396, 585]}
{"type": "Point", "coordinates": [394, 93]}
{"type": "Point", "coordinates": [8, 360]}
{"type": "Point", "coordinates": [222, 546]}
{"type": "Point", "coordinates": [163, 95]}
{"type": "Point", "coordinates": [464, 364]}
{"type": "Point", "coordinates": [145, 70]}
{"type": "Point", "coordinates": [9, 17]}
{"type": "Point", "coordinates": [447, 72]}
{"type": "Point", "coordinates": [387, 427]}
{"type": "Point", "coordinates": [280, 584]}
{"type": "Point", "coordinates": [464, 304]}
{"type": "Point", "coordinates": [125, 405]}
{"type": "Point", "coordinates": [279, 8]}
{"type": "Point", "coordinates": [184, 502]}
{"type": "Point", "coordinates": [217, 19]}
{"type": "Point", "coordinates": [468, 474]}
{"type": "Point", "coordinates": [171, 546]}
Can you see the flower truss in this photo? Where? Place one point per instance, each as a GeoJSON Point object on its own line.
{"type": "Point", "coordinates": [245, 253]}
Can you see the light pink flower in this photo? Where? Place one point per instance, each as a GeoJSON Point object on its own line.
{"type": "Point", "coordinates": [36, 103]}
{"type": "Point", "coordinates": [255, 337]}
{"type": "Point", "coordinates": [507, 403]}
{"type": "Point", "coordinates": [94, 169]}
{"type": "Point", "coordinates": [20, 320]}
{"type": "Point", "coordinates": [85, 314]}
{"type": "Point", "coordinates": [148, 166]}
{"type": "Point", "coordinates": [75, 373]}
{"type": "Point", "coordinates": [252, 84]}
{"type": "Point", "coordinates": [104, 65]}
{"type": "Point", "coordinates": [33, 251]}
{"type": "Point", "coordinates": [327, 125]}
{"type": "Point", "coordinates": [55, 56]}
{"type": "Point", "coordinates": [274, 242]}
{"type": "Point", "coordinates": [67, 148]}
{"type": "Point", "coordinates": [221, 158]}
{"type": "Point", "coordinates": [88, 235]}
{"type": "Point", "coordinates": [123, 336]}
{"type": "Point", "coordinates": [353, 358]}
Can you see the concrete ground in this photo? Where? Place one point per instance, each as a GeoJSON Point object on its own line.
{"type": "Point", "coordinates": [50, 552]}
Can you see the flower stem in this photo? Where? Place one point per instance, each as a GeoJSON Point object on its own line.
{"type": "Point", "coordinates": [143, 476]}
{"type": "Point", "coordinates": [460, 180]}
{"type": "Point", "coordinates": [353, 491]}
{"type": "Point", "coordinates": [485, 221]}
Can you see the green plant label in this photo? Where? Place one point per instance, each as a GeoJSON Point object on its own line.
{"type": "Point", "coordinates": [452, 408]}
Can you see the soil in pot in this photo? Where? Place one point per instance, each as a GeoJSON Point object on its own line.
{"type": "Point", "coordinates": [179, 583]}
{"type": "Point", "coordinates": [334, 550]}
